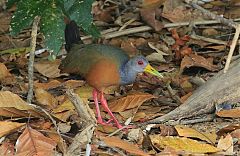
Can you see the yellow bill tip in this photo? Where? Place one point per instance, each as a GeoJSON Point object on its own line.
{"type": "Point", "coordinates": [151, 70]}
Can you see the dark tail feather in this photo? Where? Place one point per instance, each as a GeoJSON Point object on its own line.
{"type": "Point", "coordinates": [72, 35]}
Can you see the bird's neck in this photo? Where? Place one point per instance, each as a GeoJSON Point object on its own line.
{"type": "Point", "coordinates": [127, 74]}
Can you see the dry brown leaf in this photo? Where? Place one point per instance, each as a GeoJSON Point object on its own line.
{"type": "Point", "coordinates": [13, 112]}
{"type": "Point", "coordinates": [45, 98]}
{"type": "Point", "coordinates": [64, 116]}
{"type": "Point", "coordinates": [129, 46]}
{"type": "Point", "coordinates": [156, 56]}
{"type": "Point", "coordinates": [128, 113]}
{"type": "Point", "coordinates": [60, 142]}
{"type": "Point", "coordinates": [106, 128]}
{"type": "Point", "coordinates": [236, 134]}
{"type": "Point", "coordinates": [232, 113]}
{"type": "Point", "coordinates": [49, 85]}
{"type": "Point", "coordinates": [182, 144]}
{"type": "Point", "coordinates": [226, 144]}
{"type": "Point", "coordinates": [233, 13]}
{"type": "Point", "coordinates": [84, 92]}
{"type": "Point", "coordinates": [149, 15]}
{"type": "Point", "coordinates": [74, 83]}
{"type": "Point", "coordinates": [228, 129]}
{"type": "Point", "coordinates": [9, 127]}
{"type": "Point", "coordinates": [5, 19]}
{"type": "Point", "coordinates": [8, 99]}
{"type": "Point", "coordinates": [116, 142]}
{"type": "Point", "coordinates": [192, 133]}
{"type": "Point", "coordinates": [32, 142]}
{"type": "Point", "coordinates": [6, 77]}
{"type": "Point", "coordinates": [176, 11]}
{"type": "Point", "coordinates": [7, 149]}
{"type": "Point", "coordinates": [210, 32]}
{"type": "Point", "coordinates": [129, 102]}
{"type": "Point", "coordinates": [197, 61]}
{"type": "Point", "coordinates": [4, 71]}
{"type": "Point", "coordinates": [185, 97]}
{"type": "Point", "coordinates": [65, 106]}
{"type": "Point", "coordinates": [48, 68]}
{"type": "Point", "coordinates": [152, 3]}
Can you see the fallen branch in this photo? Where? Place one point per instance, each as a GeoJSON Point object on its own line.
{"type": "Point", "coordinates": [222, 20]}
{"type": "Point", "coordinates": [31, 58]}
{"type": "Point", "coordinates": [223, 87]}
{"type": "Point", "coordinates": [85, 113]}
{"type": "Point", "coordinates": [139, 29]}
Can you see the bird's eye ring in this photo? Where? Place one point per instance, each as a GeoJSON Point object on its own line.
{"type": "Point", "coordinates": [140, 62]}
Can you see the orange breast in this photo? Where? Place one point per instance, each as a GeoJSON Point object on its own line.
{"type": "Point", "coordinates": [102, 74]}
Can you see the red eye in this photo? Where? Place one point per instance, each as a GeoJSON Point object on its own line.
{"type": "Point", "coordinates": [140, 62]}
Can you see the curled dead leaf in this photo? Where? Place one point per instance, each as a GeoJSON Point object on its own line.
{"type": "Point", "coordinates": [130, 101]}
{"type": "Point", "coordinates": [193, 60]}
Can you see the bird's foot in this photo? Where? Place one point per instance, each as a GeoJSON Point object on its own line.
{"type": "Point", "coordinates": [100, 121]}
{"type": "Point", "coordinates": [118, 125]}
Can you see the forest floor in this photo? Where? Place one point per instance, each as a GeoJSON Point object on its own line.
{"type": "Point", "coordinates": [178, 39]}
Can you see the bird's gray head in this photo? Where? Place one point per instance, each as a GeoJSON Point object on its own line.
{"type": "Point", "coordinates": [138, 63]}
{"type": "Point", "coordinates": [134, 66]}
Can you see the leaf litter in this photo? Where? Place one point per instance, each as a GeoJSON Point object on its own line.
{"type": "Point", "coordinates": [181, 51]}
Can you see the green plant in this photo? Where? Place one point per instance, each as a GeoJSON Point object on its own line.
{"type": "Point", "coordinates": [52, 13]}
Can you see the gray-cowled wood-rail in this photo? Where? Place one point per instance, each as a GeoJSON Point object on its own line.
{"type": "Point", "coordinates": [102, 66]}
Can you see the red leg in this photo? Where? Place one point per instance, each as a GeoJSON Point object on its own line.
{"type": "Point", "coordinates": [95, 98]}
{"type": "Point", "coordinates": [105, 106]}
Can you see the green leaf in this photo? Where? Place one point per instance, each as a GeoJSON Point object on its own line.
{"type": "Point", "coordinates": [68, 4]}
{"type": "Point", "coordinates": [25, 13]}
{"type": "Point", "coordinates": [10, 3]}
{"type": "Point", "coordinates": [80, 11]}
{"type": "Point", "coordinates": [52, 26]}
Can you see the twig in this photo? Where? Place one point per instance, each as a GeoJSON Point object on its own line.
{"type": "Point", "coordinates": [173, 95]}
{"type": "Point", "coordinates": [232, 47]}
{"type": "Point", "coordinates": [147, 28]}
{"type": "Point", "coordinates": [31, 58]}
{"type": "Point", "coordinates": [49, 115]}
{"type": "Point", "coordinates": [211, 40]}
{"type": "Point", "coordinates": [219, 18]}
{"type": "Point", "coordinates": [83, 110]}
{"type": "Point", "coordinates": [225, 21]}
{"type": "Point", "coordinates": [207, 118]}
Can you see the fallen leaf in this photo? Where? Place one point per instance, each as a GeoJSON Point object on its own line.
{"type": "Point", "coordinates": [4, 71]}
{"type": "Point", "coordinates": [64, 116]}
{"type": "Point", "coordinates": [32, 142]}
{"type": "Point", "coordinates": [7, 127]}
{"type": "Point", "coordinates": [236, 134]}
{"type": "Point", "coordinates": [45, 98]}
{"type": "Point", "coordinates": [7, 149]}
{"type": "Point", "coordinates": [48, 68]}
{"type": "Point", "coordinates": [116, 142]}
{"type": "Point", "coordinates": [210, 32]}
{"type": "Point", "coordinates": [232, 113]}
{"type": "Point", "coordinates": [182, 144]}
{"type": "Point", "coordinates": [130, 101]}
{"type": "Point", "coordinates": [226, 144]}
{"type": "Point", "coordinates": [194, 60]}
{"type": "Point", "coordinates": [152, 3]}
{"type": "Point", "coordinates": [149, 15]}
{"type": "Point", "coordinates": [51, 84]}
{"type": "Point", "coordinates": [228, 129]}
{"type": "Point", "coordinates": [74, 83]}
{"type": "Point", "coordinates": [61, 144]}
{"type": "Point", "coordinates": [158, 56]}
{"type": "Point", "coordinates": [192, 133]}
{"type": "Point", "coordinates": [6, 77]}
{"type": "Point", "coordinates": [9, 99]}
{"type": "Point", "coordinates": [176, 11]}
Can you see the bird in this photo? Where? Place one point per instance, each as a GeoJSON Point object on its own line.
{"type": "Point", "coordinates": [102, 66]}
